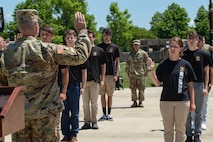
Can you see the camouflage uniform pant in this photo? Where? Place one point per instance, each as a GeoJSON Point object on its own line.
{"type": "Point", "coordinates": [39, 130]}
{"type": "Point", "coordinates": [137, 84]}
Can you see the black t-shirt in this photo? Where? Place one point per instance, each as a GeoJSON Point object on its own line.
{"type": "Point", "coordinates": [94, 62]}
{"type": "Point", "coordinates": [112, 52]}
{"type": "Point", "coordinates": [198, 59]}
{"type": "Point", "coordinates": [175, 76]}
{"type": "Point", "coordinates": [59, 73]}
{"type": "Point", "coordinates": [75, 74]}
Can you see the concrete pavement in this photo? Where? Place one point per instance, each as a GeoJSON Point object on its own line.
{"type": "Point", "coordinates": [134, 124]}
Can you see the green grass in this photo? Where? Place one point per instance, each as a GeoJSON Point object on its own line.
{"type": "Point", "coordinates": [126, 79]}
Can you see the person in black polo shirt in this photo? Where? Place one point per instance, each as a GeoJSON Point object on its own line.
{"type": "Point", "coordinates": [200, 61]}
{"type": "Point", "coordinates": [96, 68]}
{"type": "Point", "coordinates": [177, 97]}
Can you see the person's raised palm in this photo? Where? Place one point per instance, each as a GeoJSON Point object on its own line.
{"type": "Point", "coordinates": [79, 21]}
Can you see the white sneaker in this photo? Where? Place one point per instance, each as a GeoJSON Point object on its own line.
{"type": "Point", "coordinates": [109, 117]}
{"type": "Point", "coordinates": [203, 126]}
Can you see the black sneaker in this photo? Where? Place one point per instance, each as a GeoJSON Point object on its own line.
{"type": "Point", "coordinates": [86, 126]}
{"type": "Point", "coordinates": [66, 139]}
{"type": "Point", "coordinates": [189, 139]}
{"type": "Point", "coordinates": [197, 138]}
{"type": "Point", "coordinates": [94, 126]}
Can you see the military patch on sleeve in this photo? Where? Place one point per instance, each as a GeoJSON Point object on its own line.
{"type": "Point", "coordinates": [60, 49]}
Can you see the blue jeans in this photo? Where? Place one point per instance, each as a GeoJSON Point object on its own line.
{"type": "Point", "coordinates": [70, 114]}
{"type": "Point", "coordinates": [199, 98]}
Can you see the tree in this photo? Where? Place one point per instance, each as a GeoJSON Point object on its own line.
{"type": "Point", "coordinates": [202, 25]}
{"type": "Point", "coordinates": [63, 11]}
{"type": "Point", "coordinates": [172, 22]}
{"type": "Point", "coordinates": [157, 24]}
{"type": "Point", "coordinates": [57, 13]}
{"type": "Point", "coordinates": [142, 33]}
{"type": "Point", "coordinates": [121, 26]}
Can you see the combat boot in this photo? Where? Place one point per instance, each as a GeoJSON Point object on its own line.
{"type": "Point", "coordinates": [141, 104]}
{"type": "Point", "coordinates": [134, 104]}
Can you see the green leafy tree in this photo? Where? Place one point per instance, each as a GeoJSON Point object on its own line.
{"type": "Point", "coordinates": [121, 26]}
{"type": "Point", "coordinates": [201, 21]}
{"type": "Point", "coordinates": [10, 30]}
{"type": "Point", "coordinates": [57, 13]}
{"type": "Point", "coordinates": [63, 11]}
{"type": "Point", "coordinates": [142, 33]}
{"type": "Point", "coordinates": [172, 22]}
{"type": "Point", "coordinates": [44, 8]}
{"type": "Point", "coordinates": [45, 13]}
{"type": "Point", "coordinates": [157, 24]}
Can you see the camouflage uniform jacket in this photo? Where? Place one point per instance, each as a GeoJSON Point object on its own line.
{"type": "Point", "coordinates": [34, 64]}
{"type": "Point", "coordinates": [207, 47]}
{"type": "Point", "coordinates": [136, 64]}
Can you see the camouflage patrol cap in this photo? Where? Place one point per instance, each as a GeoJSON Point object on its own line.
{"type": "Point", "coordinates": [136, 42]}
{"type": "Point", "coordinates": [27, 14]}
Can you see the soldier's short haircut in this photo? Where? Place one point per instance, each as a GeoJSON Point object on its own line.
{"type": "Point", "coordinates": [28, 24]}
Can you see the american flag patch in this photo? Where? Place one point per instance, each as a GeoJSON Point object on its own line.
{"type": "Point", "coordinates": [60, 49]}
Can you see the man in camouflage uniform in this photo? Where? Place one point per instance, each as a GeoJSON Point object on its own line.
{"type": "Point", "coordinates": [136, 69]}
{"type": "Point", "coordinates": [34, 64]}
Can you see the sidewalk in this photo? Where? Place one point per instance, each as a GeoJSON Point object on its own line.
{"type": "Point", "coordinates": [134, 124]}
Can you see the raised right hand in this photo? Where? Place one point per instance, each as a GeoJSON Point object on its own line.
{"type": "Point", "coordinates": [79, 21]}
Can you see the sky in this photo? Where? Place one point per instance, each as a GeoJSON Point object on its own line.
{"type": "Point", "coordinates": [141, 10]}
